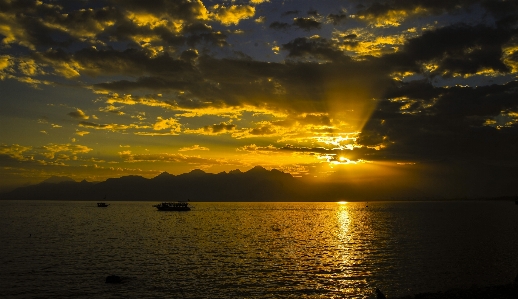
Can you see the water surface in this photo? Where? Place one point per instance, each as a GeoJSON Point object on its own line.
{"type": "Point", "coordinates": [65, 249]}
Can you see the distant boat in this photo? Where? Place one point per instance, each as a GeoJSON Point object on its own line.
{"type": "Point", "coordinates": [102, 205]}
{"type": "Point", "coordinates": [173, 206]}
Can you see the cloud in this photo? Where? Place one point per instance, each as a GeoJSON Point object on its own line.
{"type": "Point", "coordinates": [457, 49]}
{"type": "Point", "coordinates": [185, 10]}
{"type": "Point", "coordinates": [15, 151]}
{"type": "Point", "coordinates": [78, 114]}
{"type": "Point", "coordinates": [111, 127]}
{"type": "Point", "coordinates": [216, 129]}
{"type": "Point", "coordinates": [112, 109]}
{"type": "Point", "coordinates": [4, 62]}
{"type": "Point", "coordinates": [319, 48]}
{"type": "Point", "coordinates": [336, 19]}
{"type": "Point", "coordinates": [263, 130]}
{"type": "Point", "coordinates": [232, 14]}
{"type": "Point", "coordinates": [50, 150]}
{"type": "Point", "coordinates": [195, 147]}
{"type": "Point", "coordinates": [169, 158]}
{"type": "Point", "coordinates": [385, 13]}
{"type": "Point", "coordinates": [170, 123]}
{"type": "Point", "coordinates": [82, 133]}
{"type": "Point", "coordinates": [443, 123]}
{"type": "Point", "coordinates": [255, 148]}
{"type": "Point", "coordinates": [306, 23]}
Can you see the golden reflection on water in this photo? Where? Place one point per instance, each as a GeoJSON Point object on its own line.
{"type": "Point", "coordinates": [351, 271]}
{"type": "Point", "coordinates": [343, 222]}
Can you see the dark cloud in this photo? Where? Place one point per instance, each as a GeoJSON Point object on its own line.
{"type": "Point", "coordinates": [61, 24]}
{"type": "Point", "coordinates": [185, 10]}
{"type": "Point", "coordinates": [26, 17]}
{"type": "Point", "coordinates": [78, 114]}
{"type": "Point", "coordinates": [336, 18]}
{"type": "Point", "coordinates": [129, 61]}
{"type": "Point", "coordinates": [157, 84]}
{"type": "Point", "coordinates": [454, 126]}
{"type": "Point", "coordinates": [219, 128]}
{"type": "Point", "coordinates": [315, 119]}
{"type": "Point", "coordinates": [456, 49]}
{"type": "Point", "coordinates": [504, 12]}
{"type": "Point", "coordinates": [316, 48]}
{"type": "Point", "coordinates": [383, 7]}
{"type": "Point", "coordinates": [307, 23]}
{"type": "Point", "coordinates": [88, 124]}
{"type": "Point", "coordinates": [263, 130]}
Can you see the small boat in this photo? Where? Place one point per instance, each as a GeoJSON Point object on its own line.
{"type": "Point", "coordinates": [102, 205]}
{"type": "Point", "coordinates": [173, 206]}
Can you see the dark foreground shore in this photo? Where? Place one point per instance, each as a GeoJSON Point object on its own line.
{"type": "Point", "coordinates": [508, 291]}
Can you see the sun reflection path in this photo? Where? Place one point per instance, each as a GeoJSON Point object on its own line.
{"type": "Point", "coordinates": [353, 253]}
{"type": "Point", "coordinates": [344, 225]}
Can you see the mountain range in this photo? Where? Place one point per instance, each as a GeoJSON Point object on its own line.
{"type": "Point", "coordinates": [257, 184]}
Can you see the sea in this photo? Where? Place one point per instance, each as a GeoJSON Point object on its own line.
{"type": "Point", "coordinates": [66, 249]}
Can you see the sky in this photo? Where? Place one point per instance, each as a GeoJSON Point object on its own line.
{"type": "Point", "coordinates": [413, 94]}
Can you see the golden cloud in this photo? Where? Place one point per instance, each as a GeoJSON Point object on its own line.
{"type": "Point", "coordinates": [195, 147]}
{"type": "Point", "coordinates": [216, 129]}
{"type": "Point", "coordinates": [14, 151]}
{"type": "Point", "coordinates": [82, 133]}
{"type": "Point", "coordinates": [393, 18]}
{"type": "Point", "coordinates": [29, 67]}
{"type": "Point", "coordinates": [255, 148]}
{"type": "Point", "coordinates": [233, 14]}
{"type": "Point", "coordinates": [170, 158]}
{"type": "Point", "coordinates": [111, 127]}
{"type": "Point", "coordinates": [51, 149]}
{"type": "Point", "coordinates": [78, 114]}
{"type": "Point", "coordinates": [169, 123]}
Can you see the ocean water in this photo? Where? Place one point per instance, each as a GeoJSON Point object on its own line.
{"type": "Point", "coordinates": [65, 249]}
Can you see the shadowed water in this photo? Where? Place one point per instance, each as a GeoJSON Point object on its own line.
{"type": "Point", "coordinates": [65, 249]}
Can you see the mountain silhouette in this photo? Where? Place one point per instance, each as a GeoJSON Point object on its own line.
{"type": "Point", "coordinates": [257, 184]}
{"type": "Point", "coordinates": [58, 179]}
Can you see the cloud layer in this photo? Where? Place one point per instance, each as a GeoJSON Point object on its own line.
{"type": "Point", "coordinates": [335, 83]}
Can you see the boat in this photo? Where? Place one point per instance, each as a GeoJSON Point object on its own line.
{"type": "Point", "coordinates": [173, 206]}
{"type": "Point", "coordinates": [102, 205]}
